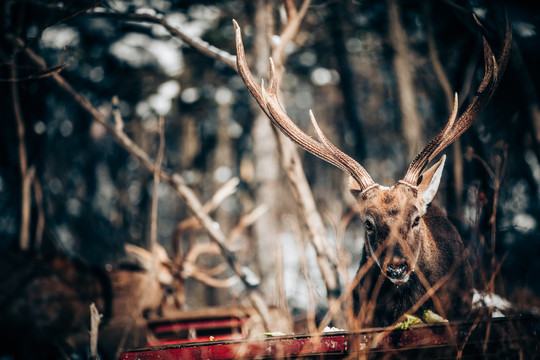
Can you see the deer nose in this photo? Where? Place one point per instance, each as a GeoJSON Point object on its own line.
{"type": "Point", "coordinates": [397, 271]}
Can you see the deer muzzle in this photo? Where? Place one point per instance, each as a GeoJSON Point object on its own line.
{"type": "Point", "coordinates": [397, 271]}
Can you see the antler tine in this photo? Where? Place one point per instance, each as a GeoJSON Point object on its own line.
{"type": "Point", "coordinates": [353, 167]}
{"type": "Point", "coordinates": [493, 71]}
{"type": "Point", "coordinates": [430, 150]}
{"type": "Point", "coordinates": [269, 103]}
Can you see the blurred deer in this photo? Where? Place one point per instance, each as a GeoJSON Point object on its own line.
{"type": "Point", "coordinates": [45, 304]}
{"type": "Point", "coordinates": [414, 256]}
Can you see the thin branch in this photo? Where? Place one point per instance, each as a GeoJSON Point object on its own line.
{"type": "Point", "coordinates": [117, 116]}
{"type": "Point", "coordinates": [192, 223]}
{"type": "Point", "coordinates": [289, 32]}
{"type": "Point", "coordinates": [197, 43]}
{"type": "Point", "coordinates": [157, 169]}
{"type": "Point", "coordinates": [155, 195]}
{"type": "Point", "coordinates": [80, 12]}
{"type": "Point", "coordinates": [206, 276]}
{"type": "Point", "coordinates": [26, 176]}
{"type": "Point", "coordinates": [247, 220]}
{"type": "Point", "coordinates": [95, 319]}
{"type": "Point", "coordinates": [199, 249]}
{"type": "Point", "coordinates": [40, 225]}
{"type": "Point", "coordinates": [40, 74]}
{"type": "Point", "coordinates": [62, 20]}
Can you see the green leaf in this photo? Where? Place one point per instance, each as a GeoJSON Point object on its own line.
{"type": "Point", "coordinates": [432, 318]}
{"type": "Point", "coordinates": [409, 320]}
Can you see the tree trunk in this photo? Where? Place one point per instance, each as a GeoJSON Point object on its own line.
{"type": "Point", "coordinates": [411, 125]}
{"type": "Point", "coordinates": [266, 162]}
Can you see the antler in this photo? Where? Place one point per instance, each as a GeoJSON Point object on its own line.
{"type": "Point", "coordinates": [269, 103]}
{"type": "Point", "coordinates": [493, 72]}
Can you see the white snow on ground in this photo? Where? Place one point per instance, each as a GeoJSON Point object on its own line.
{"type": "Point", "coordinates": [495, 301]}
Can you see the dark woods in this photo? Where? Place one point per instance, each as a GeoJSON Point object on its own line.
{"type": "Point", "coordinates": [98, 95]}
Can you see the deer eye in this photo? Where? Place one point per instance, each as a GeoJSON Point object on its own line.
{"type": "Point", "coordinates": [416, 221]}
{"type": "Point", "coordinates": [370, 227]}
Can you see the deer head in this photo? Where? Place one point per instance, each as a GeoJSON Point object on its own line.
{"type": "Point", "coordinates": [393, 216]}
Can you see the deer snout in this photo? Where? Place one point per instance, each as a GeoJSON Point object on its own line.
{"type": "Point", "coordinates": [397, 270]}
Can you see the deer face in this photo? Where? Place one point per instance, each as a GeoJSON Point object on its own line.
{"type": "Point", "coordinates": [394, 228]}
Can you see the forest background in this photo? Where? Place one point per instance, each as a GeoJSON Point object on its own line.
{"type": "Point", "coordinates": [72, 185]}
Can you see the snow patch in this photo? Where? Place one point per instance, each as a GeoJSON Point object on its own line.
{"type": "Point", "coordinates": [494, 301]}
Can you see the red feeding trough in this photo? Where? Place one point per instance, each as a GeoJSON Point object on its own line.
{"type": "Point", "coordinates": [502, 338]}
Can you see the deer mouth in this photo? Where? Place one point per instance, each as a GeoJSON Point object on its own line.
{"type": "Point", "coordinates": [400, 281]}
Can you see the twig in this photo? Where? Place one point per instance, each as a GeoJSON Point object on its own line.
{"type": "Point", "coordinates": [40, 225]}
{"type": "Point", "coordinates": [61, 20]}
{"type": "Point", "coordinates": [40, 74]}
{"type": "Point", "coordinates": [117, 116]}
{"type": "Point", "coordinates": [197, 250]}
{"type": "Point", "coordinates": [95, 319]}
{"type": "Point", "coordinates": [197, 43]}
{"type": "Point", "coordinates": [206, 276]}
{"type": "Point", "coordinates": [26, 176]}
{"type": "Point", "coordinates": [155, 199]}
{"type": "Point", "coordinates": [80, 12]}
{"type": "Point", "coordinates": [192, 223]}
{"type": "Point", "coordinates": [246, 221]}
{"type": "Point", "coordinates": [157, 169]}
{"type": "Point", "coordinates": [295, 18]}
{"type": "Point", "coordinates": [496, 176]}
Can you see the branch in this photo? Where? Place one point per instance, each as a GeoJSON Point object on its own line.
{"type": "Point", "coordinates": [193, 223]}
{"type": "Point", "coordinates": [157, 169]}
{"type": "Point", "coordinates": [40, 74]}
{"type": "Point", "coordinates": [295, 18]}
{"type": "Point", "coordinates": [247, 220]}
{"type": "Point", "coordinates": [155, 196]}
{"type": "Point", "coordinates": [206, 276]}
{"type": "Point", "coordinates": [40, 225]}
{"type": "Point", "coordinates": [197, 43]}
{"type": "Point", "coordinates": [26, 176]}
{"type": "Point", "coordinates": [95, 319]}
{"type": "Point", "coordinates": [221, 194]}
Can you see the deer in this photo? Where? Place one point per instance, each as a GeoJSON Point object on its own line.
{"type": "Point", "coordinates": [414, 258]}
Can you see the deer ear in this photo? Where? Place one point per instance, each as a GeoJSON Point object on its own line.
{"type": "Point", "coordinates": [354, 188]}
{"type": "Point", "coordinates": [428, 184]}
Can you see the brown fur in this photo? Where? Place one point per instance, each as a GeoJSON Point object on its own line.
{"type": "Point", "coordinates": [431, 249]}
